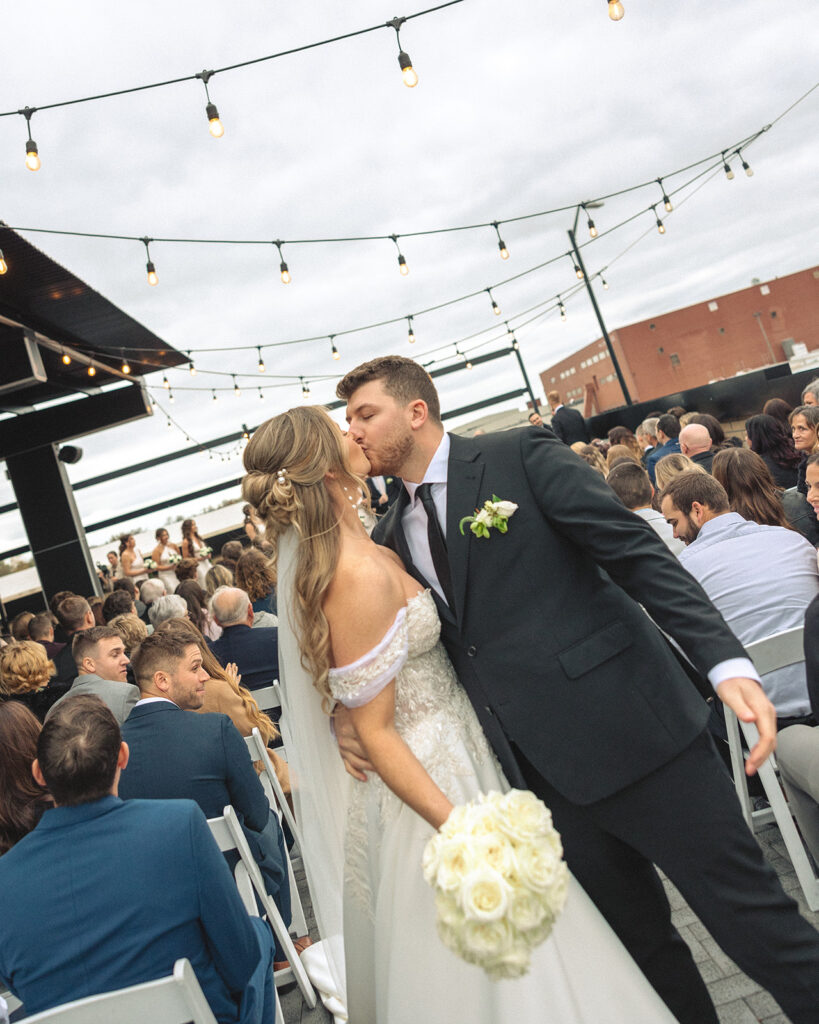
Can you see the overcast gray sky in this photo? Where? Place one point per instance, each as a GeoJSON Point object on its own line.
{"type": "Point", "coordinates": [521, 106]}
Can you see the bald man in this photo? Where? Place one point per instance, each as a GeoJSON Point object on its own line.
{"type": "Point", "coordinates": [695, 442]}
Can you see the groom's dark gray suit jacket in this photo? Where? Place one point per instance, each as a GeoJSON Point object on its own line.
{"type": "Point", "coordinates": [556, 655]}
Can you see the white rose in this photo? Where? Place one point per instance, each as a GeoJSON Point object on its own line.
{"type": "Point", "coordinates": [505, 508]}
{"type": "Point", "coordinates": [525, 816]}
{"type": "Point", "coordinates": [487, 938]}
{"type": "Point", "coordinates": [538, 867]}
{"type": "Point", "coordinates": [495, 850]}
{"type": "Point", "coordinates": [484, 516]}
{"type": "Point", "coordinates": [455, 861]}
{"type": "Point", "coordinates": [526, 911]}
{"type": "Point", "coordinates": [514, 963]}
{"type": "Point", "coordinates": [430, 859]}
{"type": "Point", "coordinates": [483, 895]}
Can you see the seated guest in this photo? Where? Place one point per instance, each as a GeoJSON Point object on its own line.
{"type": "Point", "coordinates": [197, 602]}
{"type": "Point", "coordinates": [150, 591]}
{"type": "Point", "coordinates": [749, 486]}
{"type": "Point", "coordinates": [618, 452]}
{"type": "Point", "coordinates": [132, 630]}
{"type": "Point", "coordinates": [171, 606]}
{"type": "Point", "coordinates": [95, 604]}
{"type": "Point", "coordinates": [177, 755]}
{"type": "Point", "coordinates": [630, 483]}
{"type": "Point", "coordinates": [588, 453]}
{"type": "Point", "coordinates": [186, 569]}
{"type": "Point", "coordinates": [128, 585]}
{"type": "Point", "coordinates": [103, 665]}
{"type": "Point", "coordinates": [25, 670]}
{"type": "Point", "coordinates": [695, 442]}
{"type": "Point", "coordinates": [647, 436]}
{"type": "Point", "coordinates": [230, 554]}
{"type": "Point", "coordinates": [59, 634]}
{"type": "Point", "coordinates": [672, 465]}
{"type": "Point", "coordinates": [668, 432]}
{"type": "Point", "coordinates": [217, 576]}
{"type": "Point", "coordinates": [805, 433]}
{"type": "Point", "coordinates": [713, 426]}
{"type": "Point", "coordinates": [104, 894]}
{"type": "Point", "coordinates": [254, 574]}
{"type": "Point", "coordinates": [24, 800]}
{"type": "Point", "coordinates": [75, 616]}
{"type": "Point", "coordinates": [773, 442]}
{"type": "Point", "coordinates": [117, 603]}
{"type": "Point", "coordinates": [20, 624]}
{"type": "Point", "coordinates": [780, 410]}
{"type": "Point", "coordinates": [41, 630]}
{"type": "Point", "coordinates": [255, 651]}
{"type": "Point", "coordinates": [761, 578]}
{"type": "Point", "coordinates": [810, 394]}
{"type": "Point", "coordinates": [623, 436]}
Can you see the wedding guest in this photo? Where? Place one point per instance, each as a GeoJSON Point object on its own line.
{"type": "Point", "coordinates": [647, 436]}
{"type": "Point", "coordinates": [117, 603]}
{"type": "Point", "coordinates": [103, 665]}
{"type": "Point", "coordinates": [150, 591]}
{"type": "Point", "coordinates": [78, 920]}
{"type": "Point", "coordinates": [74, 616]}
{"type": "Point", "coordinates": [59, 633]}
{"type": "Point", "coordinates": [41, 630]}
{"type": "Point", "coordinates": [731, 559]}
{"type": "Point", "coordinates": [255, 651]}
{"type": "Point", "coordinates": [668, 432]}
{"type": "Point", "coordinates": [618, 452]}
{"type": "Point", "coordinates": [804, 427]}
{"type": "Point", "coordinates": [186, 569]}
{"type": "Point", "coordinates": [588, 453]}
{"type": "Point", "coordinates": [25, 670]}
{"type": "Point", "coordinates": [773, 442]}
{"type": "Point", "coordinates": [194, 547]}
{"type": "Point", "coordinates": [695, 442]}
{"type": "Point", "coordinates": [230, 554]}
{"type": "Point", "coordinates": [567, 424]}
{"type": "Point", "coordinates": [713, 426]}
{"type": "Point", "coordinates": [129, 586]}
{"type": "Point", "coordinates": [24, 800]}
{"type": "Point", "coordinates": [534, 418]}
{"type": "Point", "coordinates": [254, 574]}
{"type": "Point", "coordinates": [253, 525]}
{"type": "Point", "coordinates": [162, 554]}
{"type": "Point", "coordinates": [196, 599]}
{"type": "Point", "coordinates": [623, 436]}
{"type": "Point", "coordinates": [20, 624]}
{"type": "Point", "coordinates": [631, 484]}
{"type": "Point", "coordinates": [114, 567]}
{"type": "Point", "coordinates": [131, 560]}
{"type": "Point", "coordinates": [218, 576]}
{"type": "Point", "coordinates": [132, 630]}
{"type": "Point", "coordinates": [95, 604]}
{"type": "Point", "coordinates": [171, 606]}
{"type": "Point", "coordinates": [672, 465]}
{"type": "Point", "coordinates": [780, 410]}
{"type": "Point", "coordinates": [810, 395]}
{"type": "Point", "coordinates": [751, 490]}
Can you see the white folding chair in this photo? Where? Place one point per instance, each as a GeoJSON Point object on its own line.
{"type": "Point", "coordinates": [278, 802]}
{"type": "Point", "coordinates": [774, 652]}
{"type": "Point", "coordinates": [268, 697]}
{"type": "Point", "coordinates": [177, 999]}
{"type": "Point", "coordinates": [229, 836]}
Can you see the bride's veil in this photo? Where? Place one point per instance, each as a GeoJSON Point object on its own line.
{"type": "Point", "coordinates": [321, 787]}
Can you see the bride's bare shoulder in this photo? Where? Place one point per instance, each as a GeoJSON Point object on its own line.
{"type": "Point", "coordinates": [361, 603]}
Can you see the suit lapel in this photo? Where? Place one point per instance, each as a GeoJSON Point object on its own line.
{"type": "Point", "coordinates": [464, 477]}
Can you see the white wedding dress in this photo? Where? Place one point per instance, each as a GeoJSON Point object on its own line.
{"type": "Point", "coordinates": [397, 969]}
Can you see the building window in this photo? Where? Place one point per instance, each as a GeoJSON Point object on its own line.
{"type": "Point", "coordinates": [764, 290]}
{"type": "Point", "coordinates": [722, 330]}
{"type": "Point", "coordinates": [652, 327]}
{"type": "Point", "coordinates": [675, 359]}
{"type": "Point", "coordinates": [773, 314]}
{"type": "Point", "coordinates": [713, 307]}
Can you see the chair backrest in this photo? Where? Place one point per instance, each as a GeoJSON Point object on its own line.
{"type": "Point", "coordinates": [268, 697]}
{"type": "Point", "coordinates": [221, 832]}
{"type": "Point", "coordinates": [177, 999]}
{"type": "Point", "coordinates": [778, 651]}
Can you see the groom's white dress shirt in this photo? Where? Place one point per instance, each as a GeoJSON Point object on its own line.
{"type": "Point", "coordinates": [414, 520]}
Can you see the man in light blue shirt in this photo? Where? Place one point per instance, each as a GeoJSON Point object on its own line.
{"type": "Point", "coordinates": [761, 578]}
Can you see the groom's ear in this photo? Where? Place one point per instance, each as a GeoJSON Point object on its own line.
{"type": "Point", "coordinates": [419, 413]}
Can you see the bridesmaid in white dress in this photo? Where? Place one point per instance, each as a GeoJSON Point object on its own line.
{"type": "Point", "coordinates": [192, 547]}
{"type": "Point", "coordinates": [131, 561]}
{"type": "Point", "coordinates": [160, 554]}
{"type": "Point", "coordinates": [354, 627]}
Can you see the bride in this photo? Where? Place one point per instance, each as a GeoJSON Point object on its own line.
{"type": "Point", "coordinates": [356, 630]}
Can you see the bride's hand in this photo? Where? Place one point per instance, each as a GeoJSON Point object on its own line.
{"type": "Point", "coordinates": [352, 753]}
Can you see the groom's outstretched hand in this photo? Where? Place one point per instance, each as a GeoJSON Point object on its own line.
{"type": "Point", "coordinates": [352, 753]}
{"type": "Point", "coordinates": [746, 698]}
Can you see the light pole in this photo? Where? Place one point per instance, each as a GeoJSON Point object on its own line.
{"type": "Point", "coordinates": [598, 314]}
{"type": "Point", "coordinates": [758, 318]}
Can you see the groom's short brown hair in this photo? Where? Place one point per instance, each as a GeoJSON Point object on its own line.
{"type": "Point", "coordinates": [402, 378]}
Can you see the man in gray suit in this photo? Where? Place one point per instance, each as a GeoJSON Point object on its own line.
{"type": "Point", "coordinates": [102, 663]}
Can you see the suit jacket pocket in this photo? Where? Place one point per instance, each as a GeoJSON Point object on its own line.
{"type": "Point", "coordinates": [594, 649]}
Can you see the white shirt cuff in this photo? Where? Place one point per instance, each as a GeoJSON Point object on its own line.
{"type": "Point", "coordinates": [732, 668]}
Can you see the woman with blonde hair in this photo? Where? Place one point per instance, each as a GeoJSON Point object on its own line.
{"type": "Point", "coordinates": [588, 453]}
{"type": "Point", "coordinates": [132, 630]}
{"type": "Point", "coordinates": [620, 451]}
{"type": "Point", "coordinates": [356, 629]}
{"type": "Point", "coordinates": [672, 465]}
{"type": "Point", "coordinates": [25, 671]}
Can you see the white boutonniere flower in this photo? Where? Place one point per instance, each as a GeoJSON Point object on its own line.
{"type": "Point", "coordinates": [494, 514]}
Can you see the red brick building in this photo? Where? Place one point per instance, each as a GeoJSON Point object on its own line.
{"type": "Point", "coordinates": [688, 347]}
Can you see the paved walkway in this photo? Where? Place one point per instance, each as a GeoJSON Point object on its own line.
{"type": "Point", "coordinates": [738, 999]}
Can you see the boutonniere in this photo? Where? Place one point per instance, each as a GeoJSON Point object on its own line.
{"type": "Point", "coordinates": [494, 514]}
{"type": "Point", "coordinates": [389, 479]}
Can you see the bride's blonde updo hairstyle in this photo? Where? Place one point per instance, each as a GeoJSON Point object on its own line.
{"type": "Point", "coordinates": [286, 461]}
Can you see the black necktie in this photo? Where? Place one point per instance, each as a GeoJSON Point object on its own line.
{"type": "Point", "coordinates": [437, 543]}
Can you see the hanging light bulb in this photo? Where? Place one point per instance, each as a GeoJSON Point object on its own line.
{"type": "Point", "coordinates": [729, 171]}
{"type": "Point", "coordinates": [402, 263]}
{"type": "Point", "coordinates": [604, 282]}
{"type": "Point", "coordinates": [467, 363]}
{"type": "Point", "coordinates": [616, 10]}
{"type": "Point", "coordinates": [170, 425]}
{"type": "Point", "coordinates": [261, 361]}
{"type": "Point", "coordinates": [495, 306]}
{"type": "Point", "coordinates": [592, 228]}
{"type": "Point", "coordinates": [261, 395]}
{"type": "Point", "coordinates": [660, 225]}
{"type": "Point", "coordinates": [245, 432]}
{"type": "Point", "coordinates": [283, 270]}
{"type": "Point", "coordinates": [745, 166]}
{"type": "Point", "coordinates": [578, 273]}
{"type": "Point", "coordinates": [165, 384]}
{"type": "Point", "coordinates": [66, 359]}
{"type": "Point", "coordinates": [153, 402]}
{"type": "Point", "coordinates": [152, 278]}
{"type": "Point", "coordinates": [170, 397]}
{"type": "Point", "coordinates": [32, 156]}
{"type": "Point", "coordinates": [411, 334]}
{"type": "Point", "coordinates": [92, 371]}
{"type": "Point", "coordinates": [125, 368]}
{"type": "Point", "coordinates": [333, 349]}
{"type": "Point", "coordinates": [215, 126]}
{"type": "Point", "coordinates": [192, 368]}
{"type": "Point", "coordinates": [501, 244]}
{"type": "Point", "coordinates": [236, 388]}
{"type": "Point", "coordinates": [305, 388]}
{"type": "Point", "coordinates": [408, 72]}
{"type": "Point", "coordinates": [3, 265]}
{"type": "Point", "coordinates": [666, 201]}
{"type": "Point", "coordinates": [215, 396]}
{"type": "Point", "coordinates": [562, 309]}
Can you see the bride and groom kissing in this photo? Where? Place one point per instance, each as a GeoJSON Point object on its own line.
{"type": "Point", "coordinates": [574, 686]}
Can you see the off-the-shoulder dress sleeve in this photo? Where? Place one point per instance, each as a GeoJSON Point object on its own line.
{"type": "Point", "coordinates": [358, 683]}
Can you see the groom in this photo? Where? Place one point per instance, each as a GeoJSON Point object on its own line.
{"type": "Point", "coordinates": [579, 692]}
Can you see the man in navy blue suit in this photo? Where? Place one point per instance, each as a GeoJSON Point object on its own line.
{"type": "Point", "coordinates": [176, 754]}
{"type": "Point", "coordinates": [104, 894]}
{"type": "Point", "coordinates": [254, 650]}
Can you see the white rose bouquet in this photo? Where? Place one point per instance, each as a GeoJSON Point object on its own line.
{"type": "Point", "coordinates": [173, 558]}
{"type": "Point", "coordinates": [204, 552]}
{"type": "Point", "coordinates": [496, 866]}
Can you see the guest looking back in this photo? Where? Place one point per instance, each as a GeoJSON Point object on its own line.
{"type": "Point", "coordinates": [74, 616]}
{"type": "Point", "coordinates": [104, 894]}
{"type": "Point", "coordinates": [24, 800]}
{"type": "Point", "coordinates": [750, 487]}
{"type": "Point", "coordinates": [805, 432]}
{"type": "Point", "coordinates": [25, 670]}
{"type": "Point", "coordinates": [103, 666]}
{"type": "Point", "coordinates": [773, 442]}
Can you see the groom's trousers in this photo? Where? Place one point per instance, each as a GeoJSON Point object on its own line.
{"type": "Point", "coordinates": [685, 818]}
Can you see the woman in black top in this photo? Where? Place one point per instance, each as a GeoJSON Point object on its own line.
{"type": "Point", "coordinates": [772, 442]}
